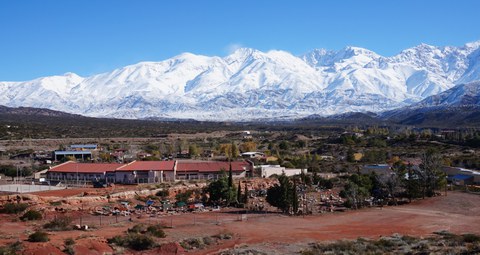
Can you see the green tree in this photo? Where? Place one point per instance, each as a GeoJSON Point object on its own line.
{"type": "Point", "coordinates": [412, 183]}
{"type": "Point", "coordinates": [354, 194]}
{"type": "Point", "coordinates": [294, 198]}
{"type": "Point", "coordinates": [245, 196]}
{"type": "Point", "coordinates": [350, 155]}
{"type": "Point", "coordinates": [12, 171]}
{"type": "Point", "coordinates": [284, 145]}
{"type": "Point", "coordinates": [9, 170]}
{"type": "Point", "coordinates": [357, 189]}
{"type": "Point", "coordinates": [220, 192]}
{"type": "Point", "coordinates": [239, 193]}
{"type": "Point", "coordinates": [431, 174]}
{"type": "Point", "coordinates": [280, 195]}
{"type": "Point", "coordinates": [230, 176]}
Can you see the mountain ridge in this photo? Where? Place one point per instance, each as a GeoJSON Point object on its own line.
{"type": "Point", "coordinates": [250, 84]}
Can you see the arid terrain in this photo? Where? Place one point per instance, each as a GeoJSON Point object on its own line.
{"type": "Point", "coordinates": [271, 233]}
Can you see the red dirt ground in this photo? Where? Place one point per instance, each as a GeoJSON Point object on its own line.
{"type": "Point", "coordinates": [457, 213]}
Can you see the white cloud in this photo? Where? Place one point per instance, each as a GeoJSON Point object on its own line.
{"type": "Point", "coordinates": [232, 47]}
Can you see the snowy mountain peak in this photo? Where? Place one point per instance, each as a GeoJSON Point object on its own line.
{"type": "Point", "coordinates": [251, 84]}
{"type": "Point", "coordinates": [473, 45]}
{"type": "Point", "coordinates": [351, 51]}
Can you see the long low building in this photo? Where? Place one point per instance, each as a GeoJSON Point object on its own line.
{"type": "Point", "coordinates": [146, 171]}
{"type": "Point", "coordinates": [73, 171]}
{"type": "Point", "coordinates": [189, 169]}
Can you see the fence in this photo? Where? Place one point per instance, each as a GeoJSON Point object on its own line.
{"type": "Point", "coordinates": [26, 188]}
{"type": "Point", "coordinates": [171, 221]}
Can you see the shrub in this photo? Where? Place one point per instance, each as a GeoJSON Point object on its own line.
{"type": "Point", "coordinates": [12, 208]}
{"type": "Point", "coordinates": [12, 248]}
{"type": "Point", "coordinates": [136, 242]}
{"type": "Point", "coordinates": [69, 250]}
{"type": "Point", "coordinates": [140, 242]}
{"type": "Point", "coordinates": [192, 243]}
{"type": "Point", "coordinates": [208, 240]}
{"type": "Point", "coordinates": [162, 193]}
{"type": "Point", "coordinates": [118, 240]}
{"type": "Point", "coordinates": [56, 203]}
{"type": "Point", "coordinates": [38, 236]}
{"type": "Point", "coordinates": [137, 229]}
{"type": "Point", "coordinates": [31, 215]}
{"type": "Point", "coordinates": [69, 241]}
{"type": "Point", "coordinates": [156, 230]}
{"type": "Point", "coordinates": [471, 238]}
{"type": "Point", "coordinates": [58, 224]}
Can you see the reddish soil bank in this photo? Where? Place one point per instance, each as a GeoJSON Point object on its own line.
{"type": "Point", "coordinates": [457, 213]}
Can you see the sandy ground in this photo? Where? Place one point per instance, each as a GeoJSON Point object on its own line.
{"type": "Point", "coordinates": [457, 213]}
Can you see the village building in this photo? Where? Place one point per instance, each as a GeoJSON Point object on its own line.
{"type": "Point", "coordinates": [253, 154]}
{"type": "Point", "coordinates": [83, 147]}
{"type": "Point", "coordinates": [269, 170]}
{"type": "Point", "coordinates": [79, 155]}
{"type": "Point", "coordinates": [378, 169]}
{"type": "Point", "coordinates": [83, 172]}
{"type": "Point", "coordinates": [146, 172]}
{"type": "Point", "coordinates": [211, 170]}
{"type": "Point", "coordinates": [462, 176]}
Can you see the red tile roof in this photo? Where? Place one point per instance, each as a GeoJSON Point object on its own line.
{"type": "Point", "coordinates": [148, 165]}
{"type": "Point", "coordinates": [74, 167]}
{"type": "Point", "coordinates": [211, 166]}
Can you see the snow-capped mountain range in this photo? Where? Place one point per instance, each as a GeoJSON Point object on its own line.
{"type": "Point", "coordinates": [249, 84]}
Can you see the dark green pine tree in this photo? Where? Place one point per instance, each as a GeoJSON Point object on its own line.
{"type": "Point", "coordinates": [294, 198]}
{"type": "Point", "coordinates": [230, 176]}
{"type": "Point", "coordinates": [239, 193]}
{"type": "Point", "coordinates": [245, 196]}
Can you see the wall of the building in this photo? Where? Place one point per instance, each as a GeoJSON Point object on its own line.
{"type": "Point", "coordinates": [57, 176]}
{"type": "Point", "coordinates": [267, 171]}
{"type": "Point", "coordinates": [206, 175]}
{"type": "Point", "coordinates": [144, 176]}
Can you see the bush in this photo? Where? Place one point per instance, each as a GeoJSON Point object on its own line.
{"type": "Point", "coordinates": [140, 242]}
{"type": "Point", "coordinates": [12, 208]}
{"type": "Point", "coordinates": [69, 250]}
{"type": "Point", "coordinates": [136, 242]}
{"type": "Point", "coordinates": [471, 238]}
{"type": "Point", "coordinates": [59, 224]}
{"type": "Point", "coordinates": [162, 193]}
{"type": "Point", "coordinates": [69, 241]}
{"type": "Point", "coordinates": [192, 243]}
{"type": "Point", "coordinates": [38, 236]}
{"type": "Point", "coordinates": [31, 215]}
{"type": "Point", "coordinates": [56, 203]}
{"type": "Point", "coordinates": [156, 230]}
{"type": "Point", "coordinates": [137, 229]}
{"type": "Point", "coordinates": [12, 248]}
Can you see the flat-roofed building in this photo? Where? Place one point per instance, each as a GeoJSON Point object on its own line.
{"type": "Point", "coordinates": [83, 147]}
{"type": "Point", "coordinates": [79, 155]}
{"type": "Point", "coordinates": [269, 170]}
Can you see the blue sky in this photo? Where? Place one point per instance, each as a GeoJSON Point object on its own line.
{"type": "Point", "coordinates": [42, 38]}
